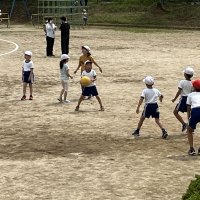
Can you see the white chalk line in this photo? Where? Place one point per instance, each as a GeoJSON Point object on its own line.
{"type": "Point", "coordinates": [16, 47]}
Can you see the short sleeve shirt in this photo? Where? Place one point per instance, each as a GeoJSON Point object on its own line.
{"type": "Point", "coordinates": [63, 72]}
{"type": "Point", "coordinates": [151, 95]}
{"type": "Point", "coordinates": [91, 75]}
{"type": "Point", "coordinates": [194, 99]}
{"type": "Point", "coordinates": [186, 87]}
{"type": "Point", "coordinates": [50, 29]}
{"type": "Point", "coordinates": [27, 66]}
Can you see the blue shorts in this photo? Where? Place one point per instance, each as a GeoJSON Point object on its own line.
{"type": "Point", "coordinates": [182, 106]}
{"type": "Point", "coordinates": [151, 110]}
{"type": "Point", "coordinates": [25, 77]}
{"type": "Point", "coordinates": [90, 91]}
{"type": "Point", "coordinates": [194, 118]}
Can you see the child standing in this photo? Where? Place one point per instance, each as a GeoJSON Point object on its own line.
{"type": "Point", "coordinates": [27, 74]}
{"type": "Point", "coordinates": [90, 89]}
{"type": "Point", "coordinates": [64, 75]}
{"type": "Point", "coordinates": [193, 110]}
{"type": "Point", "coordinates": [150, 95]}
{"type": "Point", "coordinates": [184, 88]}
{"type": "Point", "coordinates": [86, 56]}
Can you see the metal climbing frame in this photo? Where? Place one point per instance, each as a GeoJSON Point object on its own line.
{"type": "Point", "coordinates": [57, 8]}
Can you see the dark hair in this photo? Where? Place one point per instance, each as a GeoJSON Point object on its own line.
{"type": "Point", "coordinates": [63, 18]}
{"type": "Point", "coordinates": [49, 19]}
{"type": "Point", "coordinates": [62, 63]}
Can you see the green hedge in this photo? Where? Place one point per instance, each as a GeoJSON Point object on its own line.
{"type": "Point", "coordinates": [193, 192]}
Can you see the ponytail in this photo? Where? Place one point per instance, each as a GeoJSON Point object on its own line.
{"type": "Point", "coordinates": [61, 64]}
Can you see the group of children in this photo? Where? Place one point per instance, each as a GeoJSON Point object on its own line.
{"type": "Point", "coordinates": [85, 62]}
{"type": "Point", "coordinates": [189, 92]}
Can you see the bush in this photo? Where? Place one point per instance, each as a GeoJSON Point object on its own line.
{"type": "Point", "coordinates": [193, 192]}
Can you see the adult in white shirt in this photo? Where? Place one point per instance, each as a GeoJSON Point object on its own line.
{"type": "Point", "coordinates": [50, 36]}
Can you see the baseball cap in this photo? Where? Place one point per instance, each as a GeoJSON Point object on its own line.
{"type": "Point", "coordinates": [87, 61]}
{"type": "Point", "coordinates": [149, 80]}
{"type": "Point", "coordinates": [87, 48]}
{"type": "Point", "coordinates": [196, 84]}
{"type": "Point", "coordinates": [28, 53]}
{"type": "Point", "coordinates": [189, 71]}
{"type": "Point", "coordinates": [64, 57]}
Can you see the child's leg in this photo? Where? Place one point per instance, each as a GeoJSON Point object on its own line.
{"type": "Point", "coordinates": [99, 100]}
{"type": "Point", "coordinates": [80, 100]}
{"type": "Point", "coordinates": [31, 89]}
{"type": "Point", "coordinates": [24, 88]}
{"type": "Point", "coordinates": [65, 87]}
{"type": "Point", "coordinates": [159, 124]}
{"type": "Point", "coordinates": [65, 95]}
{"type": "Point", "coordinates": [140, 123]}
{"type": "Point", "coordinates": [180, 119]}
{"type": "Point", "coordinates": [61, 93]}
{"type": "Point", "coordinates": [190, 136]}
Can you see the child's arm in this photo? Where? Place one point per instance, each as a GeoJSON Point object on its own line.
{"type": "Point", "coordinates": [69, 74]}
{"type": "Point", "coordinates": [161, 97]}
{"type": "Point", "coordinates": [188, 111]}
{"type": "Point", "coordinates": [139, 104]}
{"type": "Point", "coordinates": [31, 74]}
{"type": "Point", "coordinates": [94, 78]}
{"type": "Point", "coordinates": [97, 66]}
{"type": "Point", "coordinates": [177, 95]}
{"type": "Point", "coordinates": [79, 65]}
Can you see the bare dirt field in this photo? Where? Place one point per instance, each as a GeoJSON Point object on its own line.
{"type": "Point", "coordinates": [49, 151]}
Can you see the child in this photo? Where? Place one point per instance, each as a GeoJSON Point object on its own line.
{"type": "Point", "coordinates": [86, 56]}
{"type": "Point", "coordinates": [27, 74]}
{"type": "Point", "coordinates": [184, 88]}
{"type": "Point", "coordinates": [150, 95]}
{"type": "Point", "coordinates": [64, 75]}
{"type": "Point", "coordinates": [90, 89]}
{"type": "Point", "coordinates": [193, 110]}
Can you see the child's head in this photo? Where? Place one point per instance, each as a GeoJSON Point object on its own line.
{"type": "Point", "coordinates": [50, 20]}
{"type": "Point", "coordinates": [63, 19]}
{"type": "Point", "coordinates": [27, 55]}
{"type": "Point", "coordinates": [88, 66]}
{"type": "Point", "coordinates": [64, 59]}
{"type": "Point", "coordinates": [149, 81]}
{"type": "Point", "coordinates": [86, 50]}
{"type": "Point", "coordinates": [196, 85]}
{"type": "Point", "coordinates": [188, 73]}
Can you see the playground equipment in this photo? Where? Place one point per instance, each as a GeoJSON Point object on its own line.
{"type": "Point", "coordinates": [72, 9]}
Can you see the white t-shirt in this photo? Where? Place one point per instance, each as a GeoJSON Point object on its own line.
{"type": "Point", "coordinates": [50, 29]}
{"type": "Point", "coordinates": [63, 72]}
{"type": "Point", "coordinates": [151, 95]}
{"type": "Point", "coordinates": [91, 75]}
{"type": "Point", "coordinates": [27, 66]}
{"type": "Point", "coordinates": [194, 99]}
{"type": "Point", "coordinates": [186, 87]}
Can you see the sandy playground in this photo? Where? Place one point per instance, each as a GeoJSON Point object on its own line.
{"type": "Point", "coordinates": [49, 151]}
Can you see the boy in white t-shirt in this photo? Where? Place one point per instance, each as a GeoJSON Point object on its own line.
{"type": "Point", "coordinates": [151, 109]}
{"type": "Point", "coordinates": [27, 74]}
{"type": "Point", "coordinates": [184, 88]}
{"type": "Point", "coordinates": [91, 89]}
{"type": "Point", "coordinates": [193, 110]}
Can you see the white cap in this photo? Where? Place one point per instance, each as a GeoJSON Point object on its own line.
{"type": "Point", "coordinates": [87, 61]}
{"type": "Point", "coordinates": [64, 57]}
{"type": "Point", "coordinates": [28, 53]}
{"type": "Point", "coordinates": [189, 71]}
{"type": "Point", "coordinates": [149, 80]}
{"type": "Point", "coordinates": [86, 47]}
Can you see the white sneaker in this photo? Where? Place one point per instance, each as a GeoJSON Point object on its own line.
{"type": "Point", "coordinates": [66, 101]}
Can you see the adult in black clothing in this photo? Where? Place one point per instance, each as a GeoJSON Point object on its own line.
{"type": "Point", "coordinates": [65, 32]}
{"type": "Point", "coordinates": [86, 2]}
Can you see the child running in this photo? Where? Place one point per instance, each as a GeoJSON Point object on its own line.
{"type": "Point", "coordinates": [193, 110]}
{"type": "Point", "coordinates": [184, 88]}
{"type": "Point", "coordinates": [150, 95]}
{"type": "Point", "coordinates": [91, 88]}
{"type": "Point", "coordinates": [64, 75]}
{"type": "Point", "coordinates": [27, 74]}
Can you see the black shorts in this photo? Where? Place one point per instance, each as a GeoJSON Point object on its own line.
{"type": "Point", "coordinates": [151, 110]}
{"type": "Point", "coordinates": [194, 118]}
{"type": "Point", "coordinates": [26, 77]}
{"type": "Point", "coordinates": [90, 91]}
{"type": "Point", "coordinates": [182, 106]}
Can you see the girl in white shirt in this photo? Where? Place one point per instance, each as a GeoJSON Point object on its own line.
{"type": "Point", "coordinates": [64, 75]}
{"type": "Point", "coordinates": [50, 36]}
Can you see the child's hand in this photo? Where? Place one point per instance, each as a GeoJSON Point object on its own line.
{"type": "Point", "coordinates": [75, 71]}
{"type": "Point", "coordinates": [29, 78]}
{"type": "Point", "coordinates": [71, 77]}
{"type": "Point", "coordinates": [173, 100]}
{"type": "Point", "coordinates": [100, 69]}
{"type": "Point", "coordinates": [137, 110]}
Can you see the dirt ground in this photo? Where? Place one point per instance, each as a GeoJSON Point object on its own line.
{"type": "Point", "coordinates": [49, 151]}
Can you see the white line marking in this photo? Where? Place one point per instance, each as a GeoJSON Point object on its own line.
{"type": "Point", "coordinates": [16, 47]}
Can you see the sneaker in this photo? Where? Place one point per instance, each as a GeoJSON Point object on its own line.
{"type": "Point", "coordinates": [66, 101]}
{"type": "Point", "coordinates": [164, 134]}
{"type": "Point", "coordinates": [191, 151]}
{"type": "Point", "coordinates": [23, 98]}
{"type": "Point", "coordinates": [184, 127]}
{"type": "Point", "coordinates": [77, 108]}
{"type": "Point", "coordinates": [136, 133]}
{"type": "Point", "coordinates": [59, 100]}
{"type": "Point", "coordinates": [102, 108]}
{"type": "Point", "coordinates": [31, 97]}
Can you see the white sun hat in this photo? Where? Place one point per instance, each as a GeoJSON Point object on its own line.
{"type": "Point", "coordinates": [87, 61]}
{"type": "Point", "coordinates": [64, 57]}
{"type": "Point", "coordinates": [87, 48]}
{"type": "Point", "coordinates": [189, 71]}
{"type": "Point", "coordinates": [28, 53]}
{"type": "Point", "coordinates": [149, 80]}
